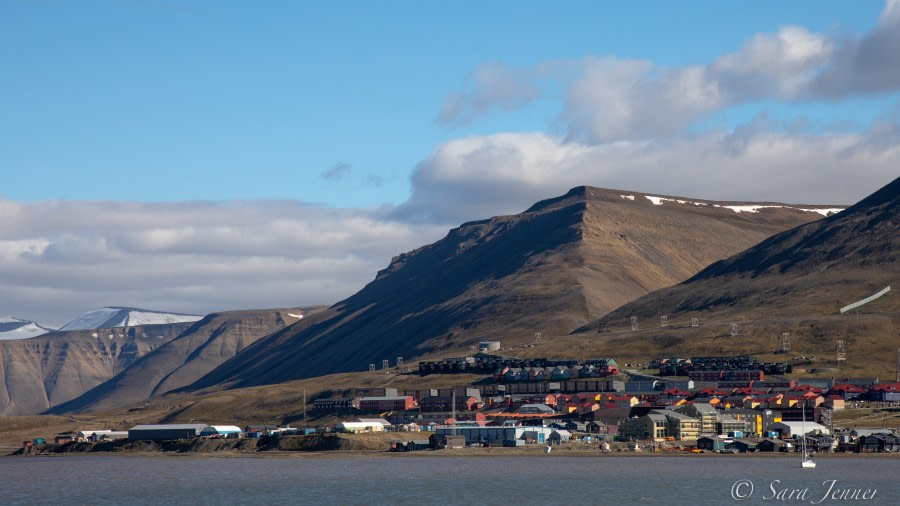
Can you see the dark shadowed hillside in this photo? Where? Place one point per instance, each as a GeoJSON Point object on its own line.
{"type": "Point", "coordinates": [550, 269]}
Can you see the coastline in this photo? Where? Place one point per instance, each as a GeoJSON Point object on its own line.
{"type": "Point", "coordinates": [536, 451]}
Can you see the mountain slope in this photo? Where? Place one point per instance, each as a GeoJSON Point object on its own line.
{"type": "Point", "coordinates": [43, 371]}
{"type": "Point", "coordinates": [201, 348]}
{"type": "Point", "coordinates": [14, 328]}
{"type": "Point", "coordinates": [550, 269]}
{"type": "Point", "coordinates": [813, 269]}
{"type": "Point", "coordinates": [111, 317]}
{"type": "Point", "coordinates": [795, 282]}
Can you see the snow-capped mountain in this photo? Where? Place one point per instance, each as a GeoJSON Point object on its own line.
{"type": "Point", "coordinates": [110, 317]}
{"type": "Point", "coordinates": [15, 328]}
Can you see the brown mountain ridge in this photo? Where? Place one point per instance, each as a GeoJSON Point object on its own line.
{"type": "Point", "coordinates": [794, 282]}
{"type": "Point", "coordinates": [551, 269]}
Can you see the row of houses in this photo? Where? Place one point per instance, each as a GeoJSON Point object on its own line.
{"type": "Point", "coordinates": [493, 364]}
{"type": "Point", "coordinates": [672, 366]}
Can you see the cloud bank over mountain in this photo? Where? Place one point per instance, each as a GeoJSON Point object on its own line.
{"type": "Point", "coordinates": [627, 124]}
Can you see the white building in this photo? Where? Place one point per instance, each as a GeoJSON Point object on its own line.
{"type": "Point", "coordinates": [356, 427]}
{"type": "Point", "coordinates": [792, 429]}
{"type": "Point", "coordinates": [497, 435]}
{"type": "Point", "coordinates": [221, 431]}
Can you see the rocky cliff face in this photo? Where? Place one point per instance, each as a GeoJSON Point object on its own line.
{"type": "Point", "coordinates": [199, 349]}
{"type": "Point", "coordinates": [54, 368]}
{"type": "Point", "coordinates": [550, 269]}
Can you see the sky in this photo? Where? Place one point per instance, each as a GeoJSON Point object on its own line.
{"type": "Point", "coordinates": [198, 156]}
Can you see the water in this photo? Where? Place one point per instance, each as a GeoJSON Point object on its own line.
{"type": "Point", "coordinates": [423, 479]}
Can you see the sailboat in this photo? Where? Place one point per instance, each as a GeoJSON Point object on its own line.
{"type": "Point", "coordinates": [807, 462]}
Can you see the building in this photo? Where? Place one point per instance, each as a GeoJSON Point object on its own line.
{"type": "Point", "coordinates": [165, 432]}
{"type": "Point", "coordinates": [221, 431]}
{"type": "Point", "coordinates": [711, 444]}
{"type": "Point", "coordinates": [498, 435]}
{"type": "Point", "coordinates": [337, 403]}
{"type": "Point", "coordinates": [63, 439]}
{"type": "Point", "coordinates": [650, 426]}
{"type": "Point", "coordinates": [885, 392]}
{"type": "Point", "coordinates": [387, 403]}
{"type": "Point", "coordinates": [88, 435]}
{"type": "Point", "coordinates": [377, 392]}
{"type": "Point", "coordinates": [446, 441]}
{"type": "Point", "coordinates": [559, 436]}
{"type": "Point", "coordinates": [439, 403]}
{"type": "Point", "coordinates": [879, 443]}
{"type": "Point", "coordinates": [732, 425]}
{"type": "Point", "coordinates": [112, 435]}
{"type": "Point", "coordinates": [757, 420]}
{"type": "Point", "coordinates": [681, 427]}
{"type": "Point", "coordinates": [773, 445]}
{"type": "Point", "coordinates": [741, 445]}
{"type": "Point", "coordinates": [834, 402]}
{"type": "Point", "coordinates": [706, 413]}
{"type": "Point", "coordinates": [794, 429]}
{"type": "Point", "coordinates": [357, 427]}
{"type": "Point", "coordinates": [535, 409]}
{"type": "Point", "coordinates": [489, 346]}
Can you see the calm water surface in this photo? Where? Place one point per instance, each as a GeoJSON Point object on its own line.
{"type": "Point", "coordinates": [406, 479]}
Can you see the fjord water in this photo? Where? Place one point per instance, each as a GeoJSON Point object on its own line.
{"type": "Point", "coordinates": [422, 479]}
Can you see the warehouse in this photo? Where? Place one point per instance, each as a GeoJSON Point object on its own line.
{"type": "Point", "coordinates": [357, 427]}
{"type": "Point", "coordinates": [165, 431]}
{"type": "Point", "coordinates": [497, 435]}
{"type": "Point", "coordinates": [221, 431]}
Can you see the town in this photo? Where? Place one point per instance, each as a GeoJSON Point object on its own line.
{"type": "Point", "coordinates": [699, 404]}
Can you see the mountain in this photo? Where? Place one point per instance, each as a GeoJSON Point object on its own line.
{"type": "Point", "coordinates": [43, 371]}
{"type": "Point", "coordinates": [555, 267]}
{"type": "Point", "coordinates": [795, 282]}
{"type": "Point", "coordinates": [815, 268]}
{"type": "Point", "coordinates": [198, 350]}
{"type": "Point", "coordinates": [112, 317]}
{"type": "Point", "coordinates": [14, 328]}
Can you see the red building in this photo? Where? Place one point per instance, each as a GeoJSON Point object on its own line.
{"type": "Point", "coordinates": [387, 403]}
{"type": "Point", "coordinates": [445, 403]}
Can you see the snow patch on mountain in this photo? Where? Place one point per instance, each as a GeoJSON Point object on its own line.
{"type": "Point", "coordinates": [15, 328]}
{"type": "Point", "coordinates": [111, 317]}
{"type": "Point", "coordinates": [751, 208]}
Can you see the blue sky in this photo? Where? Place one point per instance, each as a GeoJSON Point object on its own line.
{"type": "Point", "coordinates": [194, 147]}
{"type": "Point", "coordinates": [168, 100]}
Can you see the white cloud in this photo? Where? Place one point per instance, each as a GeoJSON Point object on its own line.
{"type": "Point", "coordinates": [490, 86]}
{"type": "Point", "coordinates": [476, 177]}
{"type": "Point", "coordinates": [610, 99]}
{"type": "Point", "coordinates": [627, 128]}
{"type": "Point", "coordinates": [62, 258]}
